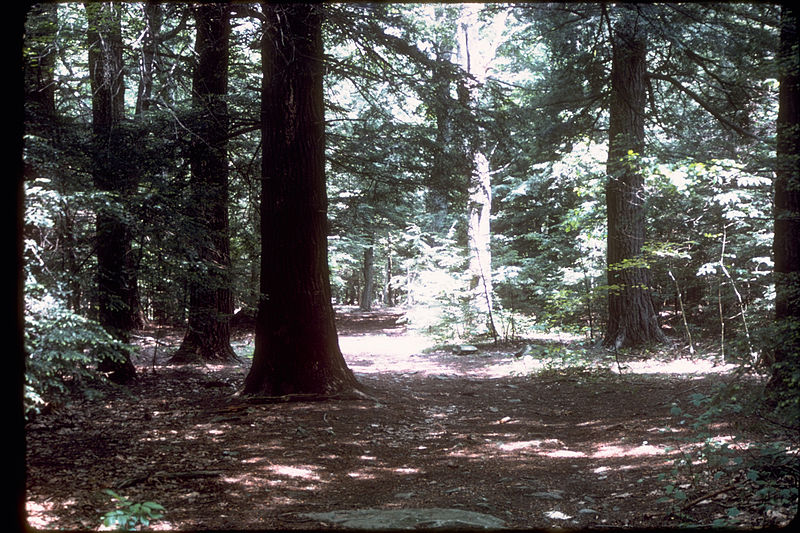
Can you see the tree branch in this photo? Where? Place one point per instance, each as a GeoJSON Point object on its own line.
{"type": "Point", "coordinates": [703, 103]}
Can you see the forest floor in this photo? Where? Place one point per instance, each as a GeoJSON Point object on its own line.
{"type": "Point", "coordinates": [580, 448]}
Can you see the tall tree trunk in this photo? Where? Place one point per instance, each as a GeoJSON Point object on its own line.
{"type": "Point", "coordinates": [632, 320]}
{"type": "Point", "coordinates": [150, 42]}
{"type": "Point", "coordinates": [296, 344]}
{"type": "Point", "coordinates": [475, 59]}
{"type": "Point", "coordinates": [115, 262]}
{"type": "Point", "coordinates": [41, 121]}
{"type": "Point", "coordinates": [786, 244]}
{"type": "Point", "coordinates": [440, 179]}
{"type": "Point", "coordinates": [210, 302]}
{"type": "Point", "coordinates": [388, 292]}
{"type": "Point", "coordinates": [368, 271]}
{"type": "Point", "coordinates": [39, 68]}
{"type": "Point", "coordinates": [479, 210]}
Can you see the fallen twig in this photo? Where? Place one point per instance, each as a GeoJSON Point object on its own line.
{"type": "Point", "coordinates": [710, 495]}
{"type": "Point", "coordinates": [191, 474]}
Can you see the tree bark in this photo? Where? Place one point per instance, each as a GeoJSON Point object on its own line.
{"type": "Point", "coordinates": [388, 292]}
{"type": "Point", "coordinates": [116, 280]}
{"type": "Point", "coordinates": [632, 320]}
{"type": "Point", "coordinates": [475, 61]}
{"type": "Point", "coordinates": [479, 211]}
{"type": "Point", "coordinates": [440, 179]}
{"type": "Point", "coordinates": [786, 243]}
{"type": "Point", "coordinates": [152, 20]}
{"type": "Point", "coordinates": [39, 65]}
{"type": "Point", "coordinates": [296, 345]}
{"type": "Point", "coordinates": [368, 271]}
{"type": "Point", "coordinates": [210, 297]}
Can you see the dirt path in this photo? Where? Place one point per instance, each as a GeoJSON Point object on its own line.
{"type": "Point", "coordinates": [448, 431]}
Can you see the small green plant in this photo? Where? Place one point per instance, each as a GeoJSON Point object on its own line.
{"type": "Point", "coordinates": [128, 516]}
{"type": "Point", "coordinates": [63, 349]}
{"type": "Point", "coordinates": [712, 464]}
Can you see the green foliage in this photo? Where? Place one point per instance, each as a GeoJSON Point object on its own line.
{"type": "Point", "coordinates": [549, 240]}
{"type": "Point", "coordinates": [766, 471]}
{"type": "Point", "coordinates": [63, 349]}
{"type": "Point", "coordinates": [130, 516]}
{"type": "Point", "coordinates": [710, 235]}
{"type": "Point", "coordinates": [436, 283]}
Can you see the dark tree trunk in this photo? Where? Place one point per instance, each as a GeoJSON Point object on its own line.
{"type": "Point", "coordinates": [632, 320]}
{"type": "Point", "coordinates": [368, 271]}
{"type": "Point", "coordinates": [786, 244]}
{"type": "Point", "coordinates": [388, 292]}
{"type": "Point", "coordinates": [210, 302]}
{"type": "Point", "coordinates": [115, 262]}
{"type": "Point", "coordinates": [150, 42]}
{"type": "Point", "coordinates": [39, 68]}
{"type": "Point", "coordinates": [296, 344]}
{"type": "Point", "coordinates": [440, 180]}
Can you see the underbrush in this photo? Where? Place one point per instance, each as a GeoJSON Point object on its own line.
{"type": "Point", "coordinates": [735, 456]}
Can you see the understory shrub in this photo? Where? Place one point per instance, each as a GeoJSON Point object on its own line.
{"type": "Point", "coordinates": [62, 350]}
{"type": "Point", "coordinates": [718, 457]}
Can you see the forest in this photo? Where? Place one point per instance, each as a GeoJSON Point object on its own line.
{"type": "Point", "coordinates": [410, 265]}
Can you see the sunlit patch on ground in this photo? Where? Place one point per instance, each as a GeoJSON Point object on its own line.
{"type": "Point", "coordinates": [556, 437]}
{"type": "Point", "coordinates": [305, 472]}
{"type": "Point", "coordinates": [514, 446]}
{"type": "Point", "coordinates": [677, 366]}
{"type": "Point", "coordinates": [368, 354]}
{"type": "Point", "coordinates": [628, 451]}
{"type": "Point", "coordinates": [38, 513]}
{"type": "Point", "coordinates": [409, 354]}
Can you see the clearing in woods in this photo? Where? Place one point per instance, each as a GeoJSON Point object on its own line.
{"type": "Point", "coordinates": [480, 433]}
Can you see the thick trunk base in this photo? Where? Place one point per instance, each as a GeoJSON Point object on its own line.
{"type": "Point", "coordinates": [195, 348]}
{"type": "Point", "coordinates": [120, 372]}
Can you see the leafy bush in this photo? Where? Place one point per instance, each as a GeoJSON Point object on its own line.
{"type": "Point", "coordinates": [63, 349]}
{"type": "Point", "coordinates": [130, 516]}
{"type": "Point", "coordinates": [766, 471]}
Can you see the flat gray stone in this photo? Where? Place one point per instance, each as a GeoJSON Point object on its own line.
{"type": "Point", "coordinates": [465, 349]}
{"type": "Point", "coordinates": [408, 519]}
{"type": "Point", "coordinates": [550, 495]}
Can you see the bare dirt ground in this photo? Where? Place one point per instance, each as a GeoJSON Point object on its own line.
{"type": "Point", "coordinates": [473, 432]}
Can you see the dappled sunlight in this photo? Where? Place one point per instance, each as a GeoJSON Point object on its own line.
{"type": "Point", "coordinates": [563, 454]}
{"type": "Point", "coordinates": [255, 460]}
{"type": "Point", "coordinates": [505, 446]}
{"type": "Point", "coordinates": [407, 355]}
{"type": "Point", "coordinates": [39, 511]}
{"type": "Point", "coordinates": [676, 366]}
{"type": "Point", "coordinates": [379, 353]}
{"type": "Point", "coordinates": [514, 446]}
{"type": "Point", "coordinates": [381, 472]}
{"type": "Point", "coordinates": [405, 470]}
{"type": "Point", "coordinates": [246, 480]}
{"type": "Point", "coordinates": [510, 366]}
{"type": "Point", "coordinates": [643, 450]}
{"type": "Point", "coordinates": [443, 429]}
{"type": "Point", "coordinates": [306, 472]}
{"type": "Point", "coordinates": [362, 475]}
